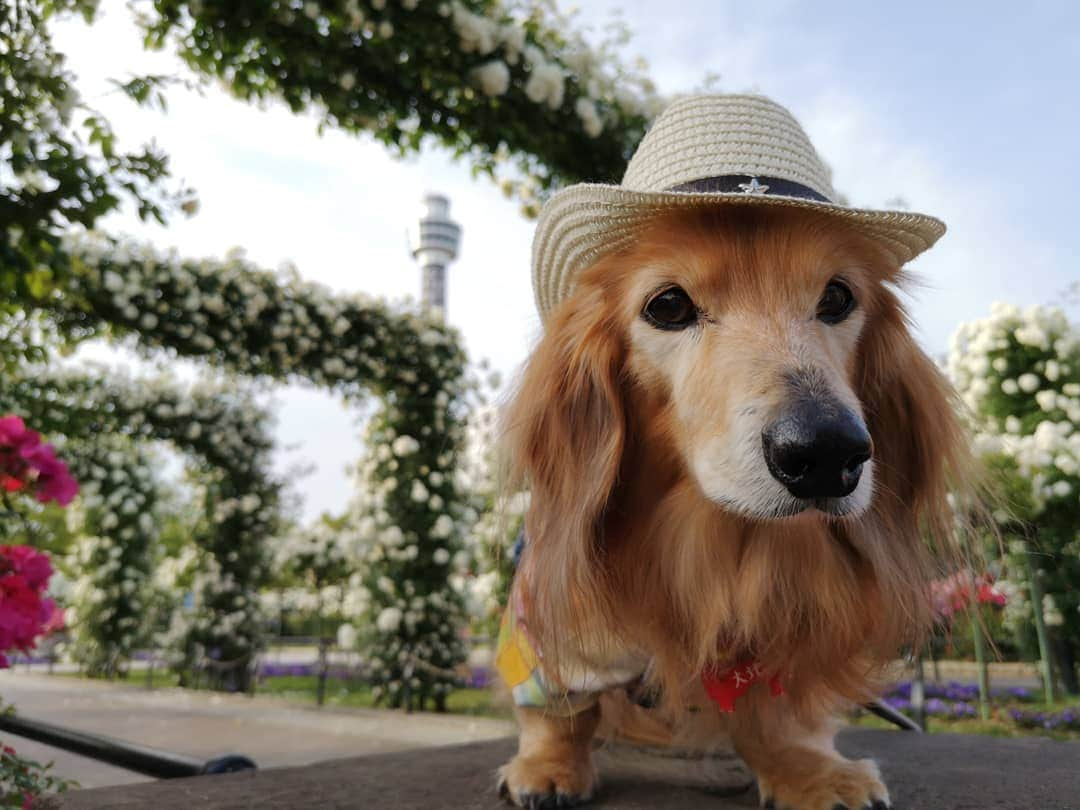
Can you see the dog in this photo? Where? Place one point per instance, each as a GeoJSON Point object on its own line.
{"type": "Point", "coordinates": [736, 451]}
{"type": "Point", "coordinates": [744, 471]}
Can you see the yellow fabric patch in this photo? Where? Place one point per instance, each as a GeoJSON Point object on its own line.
{"type": "Point", "coordinates": [515, 658]}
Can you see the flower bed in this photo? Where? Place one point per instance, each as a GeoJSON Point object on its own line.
{"type": "Point", "coordinates": [1013, 710]}
{"type": "Point", "coordinates": [1065, 720]}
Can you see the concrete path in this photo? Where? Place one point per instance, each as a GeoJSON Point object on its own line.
{"type": "Point", "coordinates": [271, 731]}
{"type": "Point", "coordinates": [924, 772]}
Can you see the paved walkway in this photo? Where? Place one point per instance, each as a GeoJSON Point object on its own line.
{"type": "Point", "coordinates": [924, 772]}
{"type": "Point", "coordinates": [271, 731]}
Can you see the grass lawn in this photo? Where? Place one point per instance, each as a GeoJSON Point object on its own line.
{"type": "Point", "coordinates": [302, 689]}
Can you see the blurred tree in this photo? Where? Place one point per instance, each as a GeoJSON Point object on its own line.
{"type": "Point", "coordinates": [1019, 372]}
{"type": "Point", "coordinates": [62, 164]}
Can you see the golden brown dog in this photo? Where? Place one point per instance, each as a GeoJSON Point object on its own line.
{"type": "Point", "coordinates": [736, 452]}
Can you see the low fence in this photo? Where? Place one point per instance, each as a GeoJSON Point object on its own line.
{"type": "Point", "coordinates": [284, 656]}
{"type": "Point", "coordinates": [130, 756]}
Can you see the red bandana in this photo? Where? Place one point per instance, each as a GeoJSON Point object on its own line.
{"type": "Point", "coordinates": [724, 688]}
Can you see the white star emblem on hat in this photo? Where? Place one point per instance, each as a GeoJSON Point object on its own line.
{"type": "Point", "coordinates": [753, 187]}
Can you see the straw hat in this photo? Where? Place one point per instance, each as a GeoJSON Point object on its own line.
{"type": "Point", "coordinates": [703, 151]}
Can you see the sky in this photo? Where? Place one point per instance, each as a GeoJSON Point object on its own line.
{"type": "Point", "coordinates": [967, 111]}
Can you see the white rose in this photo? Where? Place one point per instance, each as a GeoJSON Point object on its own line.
{"type": "Point", "coordinates": [389, 620]}
{"type": "Point", "coordinates": [392, 536]}
{"type": "Point", "coordinates": [1028, 382]}
{"type": "Point", "coordinates": [404, 446]}
{"type": "Point", "coordinates": [1046, 400]}
{"type": "Point", "coordinates": [590, 119]}
{"type": "Point", "coordinates": [492, 77]}
{"type": "Point", "coordinates": [346, 636]}
{"type": "Point", "coordinates": [419, 492]}
{"type": "Point", "coordinates": [113, 281]}
{"type": "Point", "coordinates": [546, 84]}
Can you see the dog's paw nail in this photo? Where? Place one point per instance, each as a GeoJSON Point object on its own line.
{"type": "Point", "coordinates": [840, 807]}
{"type": "Point", "coordinates": [503, 789]}
{"type": "Point", "coordinates": [880, 805]}
{"type": "Point", "coordinates": [769, 805]}
{"type": "Point", "coordinates": [546, 801]}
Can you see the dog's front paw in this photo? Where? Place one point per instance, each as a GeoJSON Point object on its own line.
{"type": "Point", "coordinates": [839, 784]}
{"type": "Point", "coordinates": [539, 783]}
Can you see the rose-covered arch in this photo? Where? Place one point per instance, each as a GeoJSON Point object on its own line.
{"type": "Point", "coordinates": [516, 89]}
{"type": "Point", "coordinates": [235, 316]}
{"type": "Point", "coordinates": [105, 418]}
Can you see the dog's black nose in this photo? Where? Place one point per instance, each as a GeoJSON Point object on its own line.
{"type": "Point", "coordinates": [817, 450]}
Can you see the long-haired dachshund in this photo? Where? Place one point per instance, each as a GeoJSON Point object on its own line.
{"type": "Point", "coordinates": [739, 461]}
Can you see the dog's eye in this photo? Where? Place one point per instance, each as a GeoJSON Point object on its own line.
{"type": "Point", "coordinates": [671, 309]}
{"type": "Point", "coordinates": [836, 303]}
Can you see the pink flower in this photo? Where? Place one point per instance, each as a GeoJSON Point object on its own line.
{"type": "Point", "coordinates": [13, 431]}
{"type": "Point", "coordinates": [54, 617]}
{"type": "Point", "coordinates": [25, 462]}
{"type": "Point", "coordinates": [29, 562]}
{"type": "Point", "coordinates": [54, 483]}
{"type": "Point", "coordinates": [987, 594]}
{"type": "Point", "coordinates": [954, 594]}
{"type": "Point", "coordinates": [24, 613]}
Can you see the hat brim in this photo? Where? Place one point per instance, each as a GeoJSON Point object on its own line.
{"type": "Point", "coordinates": [582, 223]}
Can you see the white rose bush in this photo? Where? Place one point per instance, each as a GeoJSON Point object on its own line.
{"type": "Point", "coordinates": [62, 165]}
{"type": "Point", "coordinates": [314, 564]}
{"type": "Point", "coordinates": [500, 516]}
{"type": "Point", "coordinates": [411, 519]}
{"type": "Point", "coordinates": [516, 88]}
{"type": "Point", "coordinates": [1019, 373]}
{"type": "Point", "coordinates": [116, 545]}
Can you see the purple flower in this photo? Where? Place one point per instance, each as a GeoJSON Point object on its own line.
{"type": "Point", "coordinates": [901, 690]}
{"type": "Point", "coordinates": [961, 710]}
{"type": "Point", "coordinates": [901, 704]}
{"type": "Point", "coordinates": [936, 706]}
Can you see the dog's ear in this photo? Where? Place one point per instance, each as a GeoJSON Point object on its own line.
{"type": "Point", "coordinates": [921, 450]}
{"type": "Point", "coordinates": [565, 430]}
